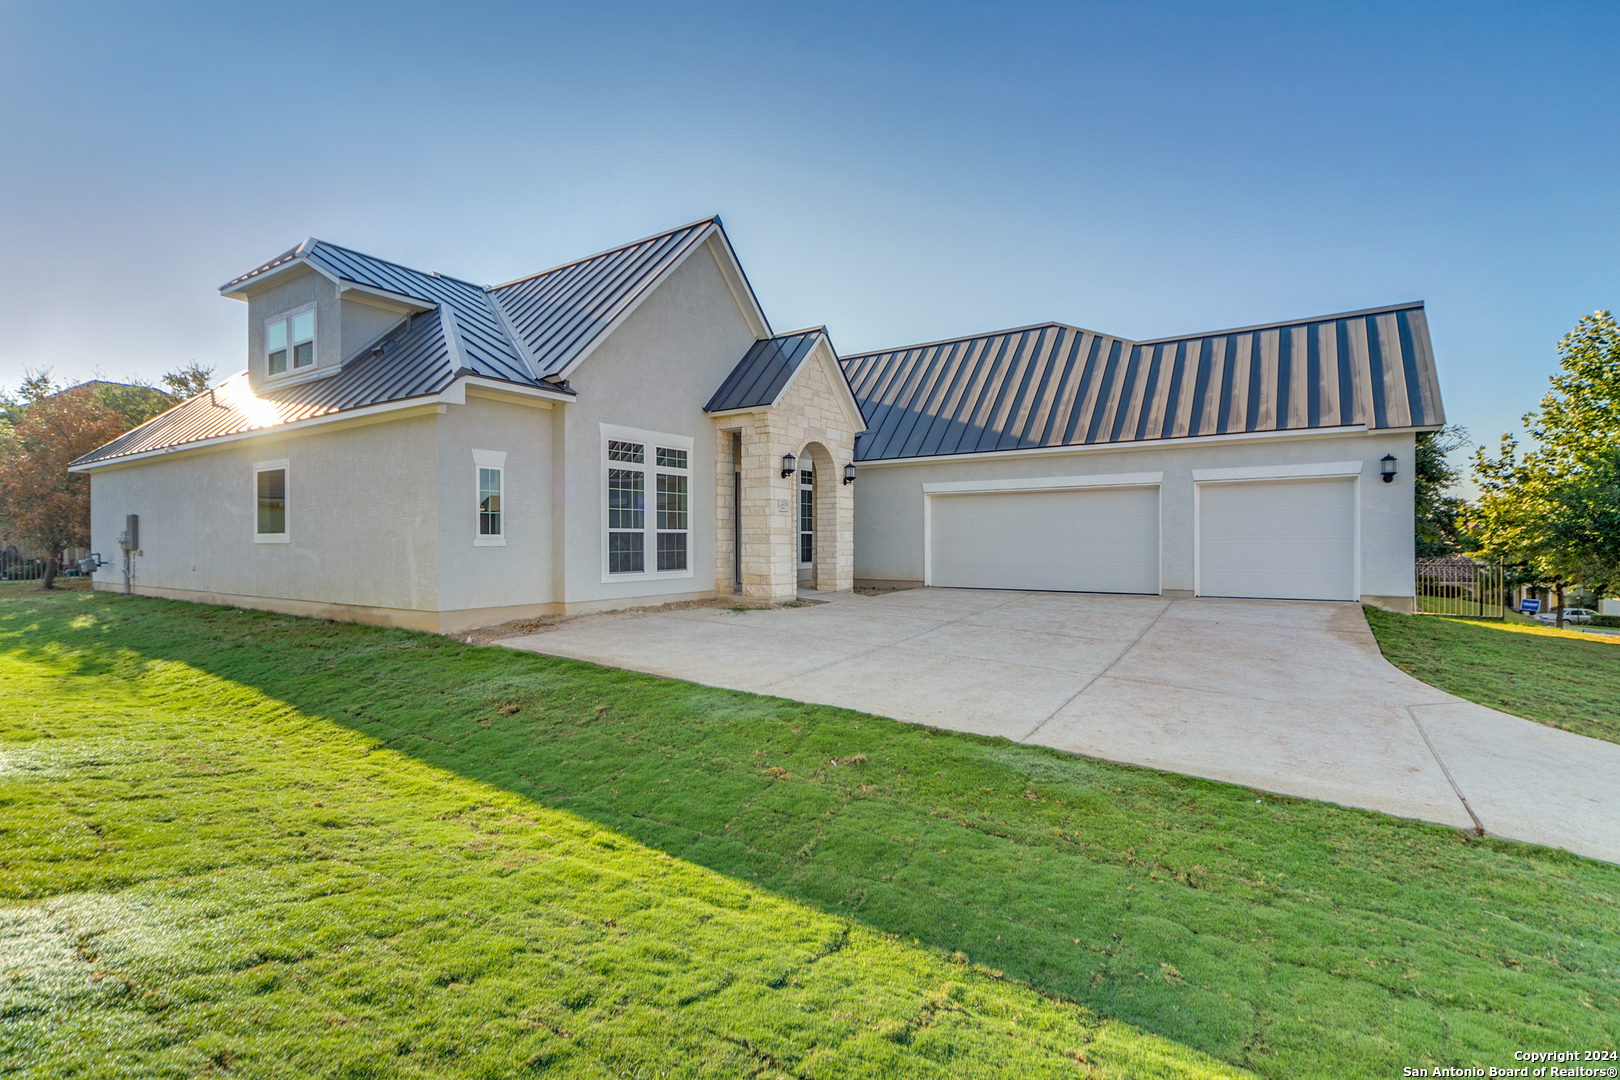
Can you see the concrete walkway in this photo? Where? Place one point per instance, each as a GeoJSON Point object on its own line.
{"type": "Point", "coordinates": [1281, 696]}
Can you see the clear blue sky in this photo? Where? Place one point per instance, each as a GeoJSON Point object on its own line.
{"type": "Point", "coordinates": [899, 172]}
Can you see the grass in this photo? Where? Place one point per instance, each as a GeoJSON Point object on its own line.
{"type": "Point", "coordinates": [1561, 678]}
{"type": "Point", "coordinates": [289, 847]}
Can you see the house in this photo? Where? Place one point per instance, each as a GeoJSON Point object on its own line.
{"type": "Point", "coordinates": [410, 449]}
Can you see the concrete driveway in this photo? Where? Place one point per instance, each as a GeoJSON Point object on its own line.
{"type": "Point", "coordinates": [1282, 696]}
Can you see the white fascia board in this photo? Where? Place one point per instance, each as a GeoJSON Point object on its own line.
{"type": "Point", "coordinates": [454, 394]}
{"type": "Point", "coordinates": [240, 292]}
{"type": "Point", "coordinates": [624, 315]}
{"type": "Point", "coordinates": [1046, 483]}
{"type": "Point", "coordinates": [495, 387]}
{"type": "Point", "coordinates": [737, 281]}
{"type": "Point", "coordinates": [1118, 448]}
{"type": "Point", "coordinates": [1279, 472]}
{"type": "Point", "coordinates": [409, 303]}
{"type": "Point", "coordinates": [366, 413]}
{"type": "Point", "coordinates": [746, 410]}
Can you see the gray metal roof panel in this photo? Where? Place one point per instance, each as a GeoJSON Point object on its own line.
{"type": "Point", "coordinates": [414, 362]}
{"type": "Point", "coordinates": [764, 370]}
{"type": "Point", "coordinates": [561, 312]}
{"type": "Point", "coordinates": [1057, 385]}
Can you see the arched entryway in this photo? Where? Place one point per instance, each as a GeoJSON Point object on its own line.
{"type": "Point", "coordinates": [816, 513]}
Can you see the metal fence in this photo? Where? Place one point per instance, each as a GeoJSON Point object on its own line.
{"type": "Point", "coordinates": [15, 567]}
{"type": "Point", "coordinates": [1457, 585]}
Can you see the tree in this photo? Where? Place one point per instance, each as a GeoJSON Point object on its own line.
{"type": "Point", "coordinates": [187, 382]}
{"type": "Point", "coordinates": [137, 401]}
{"type": "Point", "coordinates": [1556, 510]}
{"type": "Point", "coordinates": [40, 501]}
{"type": "Point", "coordinates": [1438, 530]}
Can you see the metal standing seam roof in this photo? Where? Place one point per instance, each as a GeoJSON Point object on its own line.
{"type": "Point", "coordinates": [557, 315]}
{"type": "Point", "coordinates": [560, 312]}
{"type": "Point", "coordinates": [415, 361]}
{"type": "Point", "coordinates": [1056, 385]}
{"type": "Point", "coordinates": [764, 370]}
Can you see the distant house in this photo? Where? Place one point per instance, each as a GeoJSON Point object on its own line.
{"type": "Point", "coordinates": [410, 449]}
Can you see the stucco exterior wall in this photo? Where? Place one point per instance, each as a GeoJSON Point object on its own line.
{"type": "Point", "coordinates": [361, 521]}
{"type": "Point", "coordinates": [362, 324]}
{"type": "Point", "coordinates": [889, 500]}
{"type": "Point", "coordinates": [288, 295]}
{"type": "Point", "coordinates": [654, 373]}
{"type": "Point", "coordinates": [517, 573]}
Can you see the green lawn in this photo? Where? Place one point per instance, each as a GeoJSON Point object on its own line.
{"type": "Point", "coordinates": [1561, 678]}
{"type": "Point", "coordinates": [288, 847]}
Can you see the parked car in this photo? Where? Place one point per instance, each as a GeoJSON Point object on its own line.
{"type": "Point", "coordinates": [1571, 615]}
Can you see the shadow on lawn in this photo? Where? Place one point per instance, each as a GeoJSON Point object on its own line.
{"type": "Point", "coordinates": [1174, 904]}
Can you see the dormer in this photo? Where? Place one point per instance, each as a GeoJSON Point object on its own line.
{"type": "Point", "coordinates": [304, 322]}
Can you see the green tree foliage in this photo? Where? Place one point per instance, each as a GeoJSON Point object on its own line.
{"type": "Point", "coordinates": [189, 381]}
{"type": "Point", "coordinates": [137, 401]}
{"type": "Point", "coordinates": [1437, 511]}
{"type": "Point", "coordinates": [41, 503]}
{"type": "Point", "coordinates": [1555, 510]}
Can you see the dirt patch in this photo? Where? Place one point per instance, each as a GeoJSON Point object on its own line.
{"type": "Point", "coordinates": [488, 635]}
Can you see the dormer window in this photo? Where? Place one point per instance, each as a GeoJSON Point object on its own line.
{"type": "Point", "coordinates": [294, 335]}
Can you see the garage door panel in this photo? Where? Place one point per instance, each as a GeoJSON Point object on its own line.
{"type": "Point", "coordinates": [1091, 540]}
{"type": "Point", "coordinates": [1286, 540]}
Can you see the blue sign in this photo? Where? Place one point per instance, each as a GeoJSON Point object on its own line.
{"type": "Point", "coordinates": [1529, 607]}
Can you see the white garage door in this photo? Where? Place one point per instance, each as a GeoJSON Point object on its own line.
{"type": "Point", "coordinates": [1282, 539]}
{"type": "Point", "coordinates": [1090, 540]}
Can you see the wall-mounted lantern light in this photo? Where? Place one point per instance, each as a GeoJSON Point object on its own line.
{"type": "Point", "coordinates": [1388, 464]}
{"type": "Point", "coordinates": [788, 462]}
{"type": "Point", "coordinates": [849, 473]}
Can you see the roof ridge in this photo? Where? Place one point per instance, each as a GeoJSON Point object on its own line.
{"type": "Point", "coordinates": [987, 334]}
{"type": "Point", "coordinates": [713, 218]}
{"type": "Point", "coordinates": [389, 262]}
{"type": "Point", "coordinates": [1407, 306]}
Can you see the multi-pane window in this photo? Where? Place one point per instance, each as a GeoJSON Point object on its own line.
{"type": "Point", "coordinates": [807, 515]}
{"type": "Point", "coordinates": [292, 339]}
{"type": "Point", "coordinates": [489, 502]}
{"type": "Point", "coordinates": [633, 468]}
{"type": "Point", "coordinates": [627, 519]}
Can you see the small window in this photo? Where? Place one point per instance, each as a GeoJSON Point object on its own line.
{"type": "Point", "coordinates": [489, 488]}
{"type": "Point", "coordinates": [489, 502]}
{"type": "Point", "coordinates": [270, 502]}
{"type": "Point", "coordinates": [294, 337]}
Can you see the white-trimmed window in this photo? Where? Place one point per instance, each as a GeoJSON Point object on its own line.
{"type": "Point", "coordinates": [807, 516]}
{"type": "Point", "coordinates": [489, 483]}
{"type": "Point", "coordinates": [647, 502]}
{"type": "Point", "coordinates": [289, 342]}
{"type": "Point", "coordinates": [270, 502]}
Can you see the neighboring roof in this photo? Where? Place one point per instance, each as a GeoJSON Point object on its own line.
{"type": "Point", "coordinates": [1056, 385]}
{"type": "Point", "coordinates": [415, 360]}
{"type": "Point", "coordinates": [764, 370]}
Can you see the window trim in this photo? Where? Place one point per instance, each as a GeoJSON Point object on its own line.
{"type": "Point", "coordinates": [649, 467]}
{"type": "Point", "coordinates": [489, 459]}
{"type": "Point", "coordinates": [285, 535]}
{"type": "Point", "coordinates": [287, 317]}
